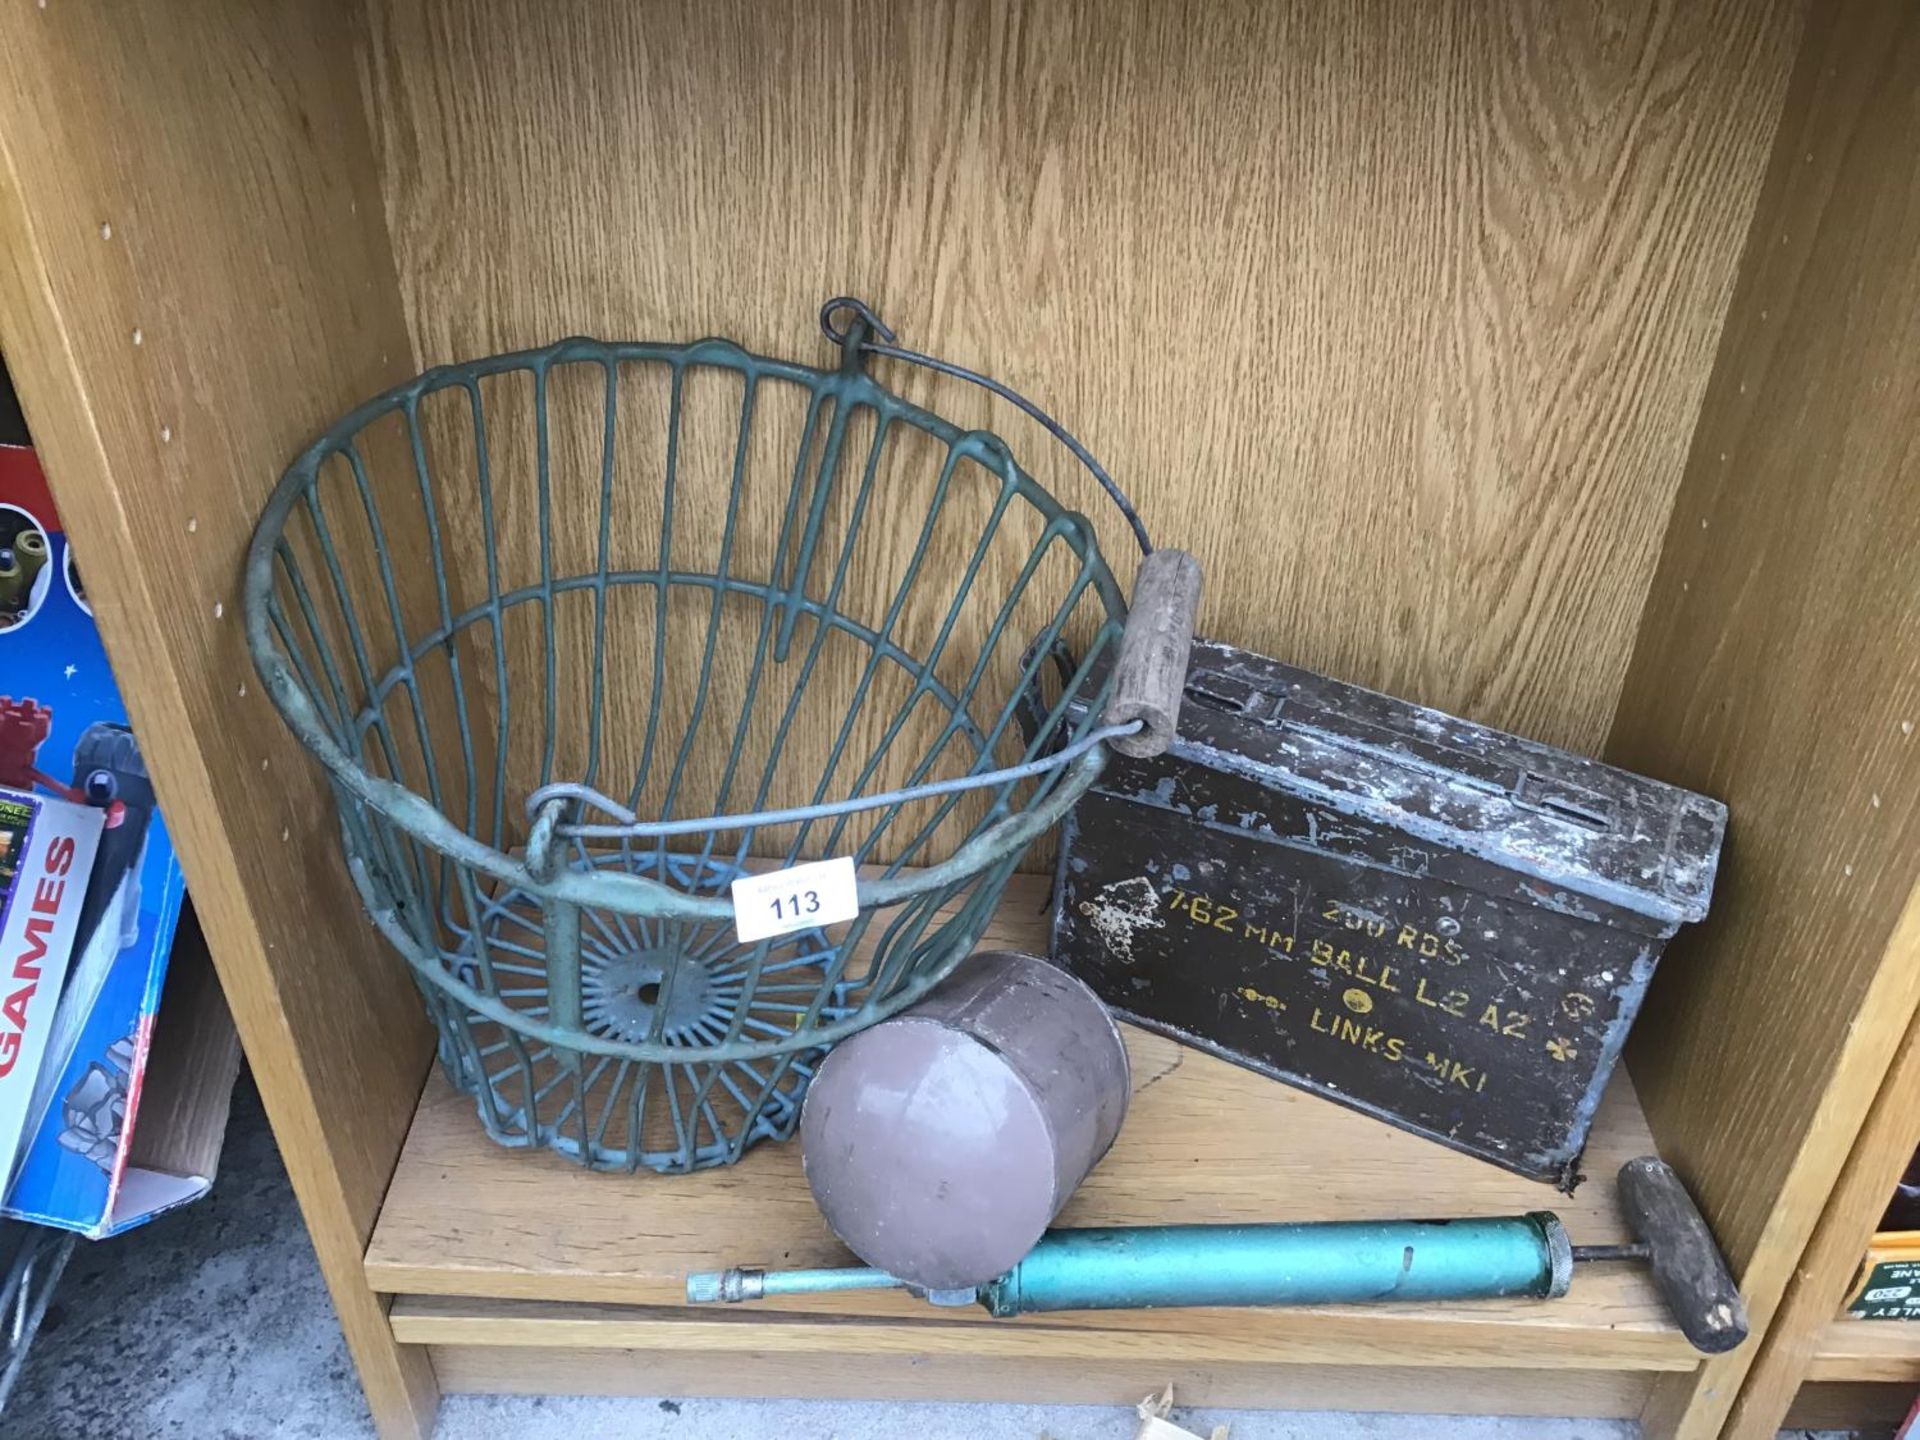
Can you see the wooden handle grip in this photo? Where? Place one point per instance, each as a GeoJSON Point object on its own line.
{"type": "Point", "coordinates": [1686, 1263]}
{"type": "Point", "coordinates": [1151, 673]}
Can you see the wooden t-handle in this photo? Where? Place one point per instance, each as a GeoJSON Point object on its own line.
{"type": "Point", "coordinates": [1687, 1266]}
{"type": "Point", "coordinates": [1151, 673]}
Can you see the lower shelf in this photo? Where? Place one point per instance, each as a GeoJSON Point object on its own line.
{"type": "Point", "coordinates": [1205, 1142]}
{"type": "Point", "coordinates": [1880, 1350]}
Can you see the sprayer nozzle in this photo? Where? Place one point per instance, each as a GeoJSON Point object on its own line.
{"type": "Point", "coordinates": [716, 1287]}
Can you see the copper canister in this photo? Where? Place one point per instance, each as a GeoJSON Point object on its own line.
{"type": "Point", "coordinates": [941, 1143]}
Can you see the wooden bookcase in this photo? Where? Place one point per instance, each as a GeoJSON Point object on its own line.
{"type": "Point", "coordinates": [1555, 365]}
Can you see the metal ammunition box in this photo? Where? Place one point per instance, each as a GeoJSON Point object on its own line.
{"type": "Point", "coordinates": [1441, 925]}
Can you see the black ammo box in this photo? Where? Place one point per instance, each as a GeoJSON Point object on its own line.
{"type": "Point", "coordinates": [1439, 924]}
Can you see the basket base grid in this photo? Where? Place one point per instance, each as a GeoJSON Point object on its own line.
{"type": "Point", "coordinates": [684, 985]}
{"type": "Point", "coordinates": [656, 983]}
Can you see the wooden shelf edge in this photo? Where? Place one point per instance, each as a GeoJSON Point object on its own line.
{"type": "Point", "coordinates": [1868, 1350]}
{"type": "Point", "coordinates": [447, 1320]}
{"type": "Point", "coordinates": [1479, 1390]}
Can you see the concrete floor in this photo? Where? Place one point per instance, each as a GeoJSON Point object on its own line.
{"type": "Point", "coordinates": [212, 1324]}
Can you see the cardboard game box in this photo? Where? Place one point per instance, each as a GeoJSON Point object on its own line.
{"type": "Point", "coordinates": [47, 850]}
{"type": "Point", "coordinates": [65, 740]}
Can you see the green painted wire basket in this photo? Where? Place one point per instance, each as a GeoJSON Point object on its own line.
{"type": "Point", "coordinates": [563, 624]}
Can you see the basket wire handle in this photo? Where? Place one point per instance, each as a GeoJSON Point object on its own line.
{"type": "Point", "coordinates": [857, 336]}
{"type": "Point", "coordinates": [1143, 714]}
{"type": "Point", "coordinates": [627, 825]}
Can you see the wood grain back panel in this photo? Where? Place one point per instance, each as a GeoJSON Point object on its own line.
{"type": "Point", "coordinates": [1779, 668]}
{"type": "Point", "coordinates": [1398, 316]}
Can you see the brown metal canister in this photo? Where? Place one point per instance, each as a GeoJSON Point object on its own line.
{"type": "Point", "coordinates": [941, 1143]}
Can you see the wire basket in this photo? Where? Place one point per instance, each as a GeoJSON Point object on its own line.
{"type": "Point", "coordinates": [562, 624]}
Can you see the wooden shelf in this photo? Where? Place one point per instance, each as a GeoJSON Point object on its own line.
{"type": "Point", "coordinates": [528, 1347]}
{"type": "Point", "coordinates": [1206, 1141]}
{"type": "Point", "coordinates": [1879, 1350]}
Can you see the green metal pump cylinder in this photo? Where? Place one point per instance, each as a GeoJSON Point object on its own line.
{"type": "Point", "coordinates": [1347, 1262]}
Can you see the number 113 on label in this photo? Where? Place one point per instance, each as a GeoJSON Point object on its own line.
{"type": "Point", "coordinates": [800, 897]}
